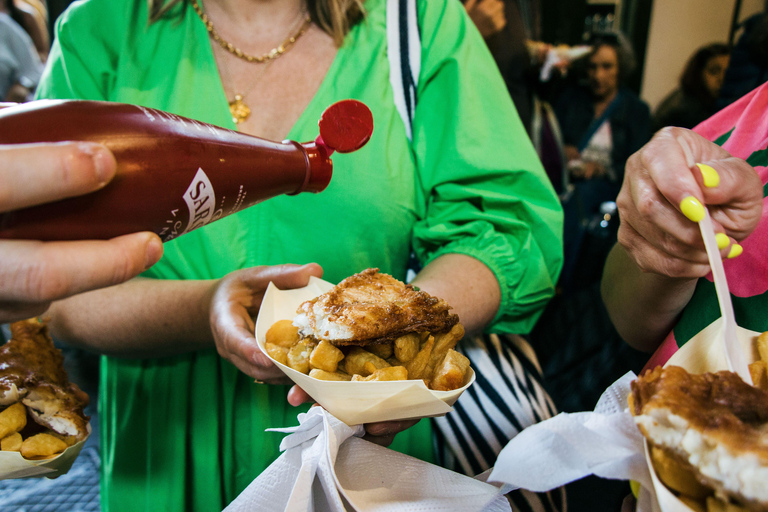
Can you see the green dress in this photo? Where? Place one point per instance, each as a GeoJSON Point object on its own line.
{"type": "Point", "coordinates": [188, 433]}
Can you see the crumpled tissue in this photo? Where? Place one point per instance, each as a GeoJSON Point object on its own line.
{"type": "Point", "coordinates": [325, 466]}
{"type": "Point", "coordinates": [570, 446]}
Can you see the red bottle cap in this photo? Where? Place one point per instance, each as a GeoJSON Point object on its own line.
{"type": "Point", "coordinates": [345, 126]}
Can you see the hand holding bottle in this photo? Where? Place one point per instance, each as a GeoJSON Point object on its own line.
{"type": "Point", "coordinates": [32, 274]}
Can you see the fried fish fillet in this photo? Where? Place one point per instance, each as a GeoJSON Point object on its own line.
{"type": "Point", "coordinates": [371, 307]}
{"type": "Point", "coordinates": [715, 423]}
{"type": "Point", "coordinates": [32, 371]}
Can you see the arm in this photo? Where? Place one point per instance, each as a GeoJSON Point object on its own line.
{"type": "Point", "coordinates": [643, 306]}
{"type": "Point", "coordinates": [467, 285]}
{"type": "Point", "coordinates": [487, 15]}
{"type": "Point", "coordinates": [490, 231]}
{"type": "Point", "coordinates": [141, 318]}
{"type": "Point", "coordinates": [649, 279]}
{"type": "Point", "coordinates": [161, 317]}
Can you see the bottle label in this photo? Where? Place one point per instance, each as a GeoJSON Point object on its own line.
{"type": "Point", "coordinates": [201, 201]}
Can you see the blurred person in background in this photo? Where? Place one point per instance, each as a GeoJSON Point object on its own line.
{"type": "Point", "coordinates": [20, 64]}
{"type": "Point", "coordinates": [748, 67]}
{"type": "Point", "coordinates": [602, 121]}
{"type": "Point", "coordinates": [694, 100]}
{"type": "Point", "coordinates": [512, 31]}
{"type": "Point", "coordinates": [602, 124]}
{"type": "Point", "coordinates": [32, 16]}
{"type": "Point", "coordinates": [506, 27]}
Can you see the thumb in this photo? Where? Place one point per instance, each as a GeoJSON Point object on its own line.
{"type": "Point", "coordinates": [286, 276]}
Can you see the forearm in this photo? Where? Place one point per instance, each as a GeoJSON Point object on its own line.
{"type": "Point", "coordinates": [140, 318]}
{"type": "Point", "coordinates": [643, 306]}
{"type": "Point", "coordinates": [467, 285]}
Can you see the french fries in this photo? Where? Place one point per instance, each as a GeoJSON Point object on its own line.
{"type": "Point", "coordinates": [13, 420]}
{"type": "Point", "coordinates": [11, 442]}
{"type": "Point", "coordinates": [677, 476]}
{"type": "Point", "coordinates": [449, 374]}
{"type": "Point", "coordinates": [325, 356]}
{"type": "Point", "coordinates": [42, 446]}
{"type": "Point", "coordinates": [324, 375]}
{"type": "Point", "coordinates": [425, 356]}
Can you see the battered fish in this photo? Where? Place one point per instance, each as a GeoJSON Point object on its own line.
{"type": "Point", "coordinates": [371, 307]}
{"type": "Point", "coordinates": [32, 371]}
{"type": "Point", "coordinates": [714, 422]}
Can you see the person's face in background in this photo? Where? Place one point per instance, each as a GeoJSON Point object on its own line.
{"type": "Point", "coordinates": [603, 72]}
{"type": "Point", "coordinates": [714, 73]}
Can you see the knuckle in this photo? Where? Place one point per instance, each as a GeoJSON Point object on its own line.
{"type": "Point", "coordinates": [40, 283]}
{"type": "Point", "coordinates": [123, 267]}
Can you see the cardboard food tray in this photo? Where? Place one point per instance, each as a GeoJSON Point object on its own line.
{"type": "Point", "coordinates": [13, 465]}
{"type": "Point", "coordinates": [353, 403]}
{"type": "Point", "coordinates": [702, 353]}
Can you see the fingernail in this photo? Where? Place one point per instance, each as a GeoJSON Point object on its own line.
{"type": "Point", "coordinates": [722, 240]}
{"type": "Point", "coordinates": [154, 252]}
{"type": "Point", "coordinates": [692, 208]}
{"type": "Point", "coordinates": [711, 178]}
{"type": "Point", "coordinates": [102, 161]}
{"type": "Point", "coordinates": [736, 250]}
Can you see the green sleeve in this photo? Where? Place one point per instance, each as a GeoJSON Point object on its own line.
{"type": "Point", "coordinates": [486, 192]}
{"type": "Point", "coordinates": [83, 57]}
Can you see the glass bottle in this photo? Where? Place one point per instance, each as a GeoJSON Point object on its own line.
{"type": "Point", "coordinates": [174, 174]}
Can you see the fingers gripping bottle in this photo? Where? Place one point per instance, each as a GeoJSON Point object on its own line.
{"type": "Point", "coordinates": [174, 174]}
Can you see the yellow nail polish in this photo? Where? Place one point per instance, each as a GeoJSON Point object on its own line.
{"type": "Point", "coordinates": [722, 240]}
{"type": "Point", "coordinates": [736, 249]}
{"type": "Point", "coordinates": [692, 208]}
{"type": "Point", "coordinates": [711, 178]}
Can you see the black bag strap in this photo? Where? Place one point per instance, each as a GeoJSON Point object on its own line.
{"type": "Point", "coordinates": [404, 53]}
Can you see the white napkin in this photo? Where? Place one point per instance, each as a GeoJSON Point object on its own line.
{"type": "Point", "coordinates": [570, 446]}
{"type": "Point", "coordinates": [326, 467]}
{"type": "Point", "coordinates": [556, 55]}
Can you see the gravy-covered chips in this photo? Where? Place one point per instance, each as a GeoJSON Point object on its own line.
{"type": "Point", "coordinates": [41, 411]}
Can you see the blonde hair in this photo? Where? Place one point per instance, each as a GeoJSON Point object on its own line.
{"type": "Point", "coordinates": [334, 17]}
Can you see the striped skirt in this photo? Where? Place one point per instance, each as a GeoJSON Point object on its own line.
{"type": "Point", "coordinates": [507, 396]}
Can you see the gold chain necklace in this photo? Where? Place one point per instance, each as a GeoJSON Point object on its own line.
{"type": "Point", "coordinates": [270, 55]}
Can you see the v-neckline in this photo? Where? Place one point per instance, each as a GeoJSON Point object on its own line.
{"type": "Point", "coordinates": [311, 107]}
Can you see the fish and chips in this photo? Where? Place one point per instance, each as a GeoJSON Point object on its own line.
{"type": "Point", "coordinates": [372, 327]}
{"type": "Point", "coordinates": [707, 434]}
{"type": "Point", "coordinates": [41, 411]}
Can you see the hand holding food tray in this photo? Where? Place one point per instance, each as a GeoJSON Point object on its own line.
{"type": "Point", "coordinates": [356, 402]}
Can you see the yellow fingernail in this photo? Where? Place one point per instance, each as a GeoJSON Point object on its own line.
{"type": "Point", "coordinates": [692, 208]}
{"type": "Point", "coordinates": [736, 249]}
{"type": "Point", "coordinates": [722, 240]}
{"type": "Point", "coordinates": [711, 178]}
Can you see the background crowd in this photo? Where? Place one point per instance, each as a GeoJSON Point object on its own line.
{"type": "Point", "coordinates": [576, 129]}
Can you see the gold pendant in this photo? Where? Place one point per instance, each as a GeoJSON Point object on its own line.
{"type": "Point", "coordinates": [239, 110]}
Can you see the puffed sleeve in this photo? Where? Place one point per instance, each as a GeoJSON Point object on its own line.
{"type": "Point", "coordinates": [81, 64]}
{"type": "Point", "coordinates": [486, 193]}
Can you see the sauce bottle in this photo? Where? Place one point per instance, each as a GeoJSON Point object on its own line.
{"type": "Point", "coordinates": [174, 174]}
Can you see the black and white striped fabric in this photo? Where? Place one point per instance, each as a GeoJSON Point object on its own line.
{"type": "Point", "coordinates": [404, 52]}
{"type": "Point", "coordinates": [507, 396]}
